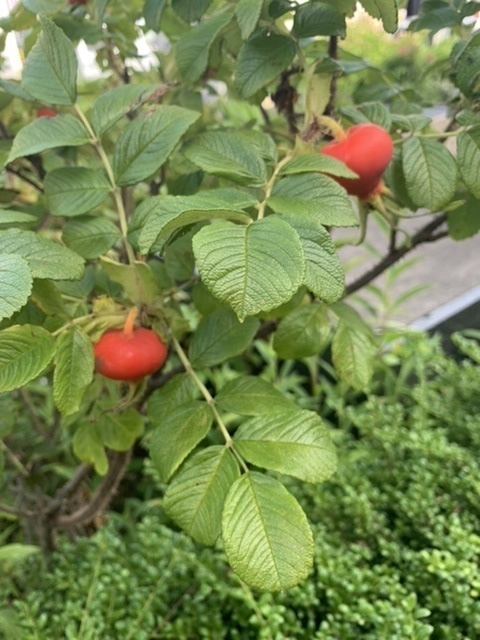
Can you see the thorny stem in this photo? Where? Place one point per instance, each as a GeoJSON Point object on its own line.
{"type": "Point", "coordinates": [208, 397]}
{"type": "Point", "coordinates": [117, 194]}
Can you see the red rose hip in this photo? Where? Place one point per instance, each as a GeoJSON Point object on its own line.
{"type": "Point", "coordinates": [129, 355]}
{"type": "Point", "coordinates": [367, 150]}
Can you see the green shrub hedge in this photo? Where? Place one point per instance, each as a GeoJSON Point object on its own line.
{"type": "Point", "coordinates": [396, 529]}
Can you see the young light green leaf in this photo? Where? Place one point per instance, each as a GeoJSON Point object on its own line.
{"type": "Point", "coordinates": [177, 391]}
{"type": "Point", "coordinates": [71, 191]}
{"type": "Point", "coordinates": [159, 217]}
{"type": "Point", "coordinates": [468, 159]}
{"type": "Point", "coordinates": [311, 162]}
{"type": "Point", "coordinates": [146, 143]}
{"type": "Point", "coordinates": [266, 535]}
{"type": "Point", "coordinates": [137, 280]}
{"type": "Point", "coordinates": [46, 259]}
{"type": "Point", "coordinates": [260, 60]}
{"type": "Point", "coordinates": [385, 10]}
{"type": "Point", "coordinates": [220, 336]}
{"type": "Point", "coordinates": [324, 275]}
{"type": "Point", "coordinates": [316, 196]}
{"type": "Point", "coordinates": [50, 72]}
{"type": "Point", "coordinates": [295, 443]}
{"type": "Point", "coordinates": [196, 496]}
{"type": "Point", "coordinates": [254, 268]}
{"type": "Point", "coordinates": [176, 435]}
{"type": "Point", "coordinates": [248, 13]}
{"type": "Point", "coordinates": [227, 155]}
{"type": "Point", "coordinates": [192, 50]}
{"type": "Point", "coordinates": [111, 106]}
{"type": "Point", "coordinates": [252, 396]}
{"type": "Point", "coordinates": [304, 332]}
{"type": "Point", "coordinates": [48, 133]}
{"type": "Point", "coordinates": [88, 447]}
{"type": "Point", "coordinates": [90, 236]}
{"type": "Point", "coordinates": [118, 431]}
{"type": "Point", "coordinates": [25, 352]}
{"type": "Point", "coordinates": [318, 19]}
{"type": "Point", "coordinates": [430, 172]}
{"type": "Point", "coordinates": [152, 12]}
{"type": "Point", "coordinates": [73, 373]}
{"type": "Point", "coordinates": [15, 284]}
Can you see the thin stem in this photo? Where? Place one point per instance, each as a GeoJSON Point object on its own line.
{"type": "Point", "coordinates": [271, 184]}
{"type": "Point", "coordinates": [15, 460]}
{"type": "Point", "coordinates": [210, 401]}
{"type": "Point", "coordinates": [20, 513]}
{"type": "Point", "coordinates": [203, 390]}
{"type": "Point", "coordinates": [117, 194]}
{"type": "Point", "coordinates": [25, 178]}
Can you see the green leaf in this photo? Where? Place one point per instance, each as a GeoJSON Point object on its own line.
{"type": "Point", "coordinates": [252, 396]}
{"type": "Point", "coordinates": [190, 10]}
{"type": "Point", "coordinates": [324, 275]}
{"type": "Point", "coordinates": [220, 336]}
{"type": "Point", "coordinates": [304, 332]}
{"type": "Point", "coordinates": [266, 535]}
{"type": "Point", "coordinates": [464, 221]}
{"type": "Point", "coordinates": [375, 112]}
{"type": "Point", "coordinates": [71, 191]}
{"type": "Point", "coordinates": [47, 297]}
{"type": "Point", "coordinates": [16, 90]}
{"type": "Point", "coordinates": [44, 6]}
{"type": "Point", "coordinates": [152, 12]}
{"type": "Point", "coordinates": [15, 284]}
{"type": "Point", "coordinates": [50, 72]}
{"type": "Point", "coordinates": [254, 268]}
{"type": "Point", "coordinates": [311, 162]}
{"type": "Point", "coordinates": [119, 431]}
{"type": "Point", "coordinates": [318, 19]}
{"type": "Point", "coordinates": [385, 10]}
{"type": "Point", "coordinates": [313, 196]}
{"type": "Point", "coordinates": [295, 443]}
{"type": "Point", "coordinates": [88, 447]}
{"type": "Point", "coordinates": [227, 155]}
{"type": "Point", "coordinates": [9, 217]}
{"type": "Point", "coordinates": [46, 258]}
{"type": "Point", "coordinates": [48, 133]}
{"type": "Point", "coordinates": [468, 159]}
{"type": "Point", "coordinates": [146, 143]}
{"type": "Point", "coordinates": [177, 391]}
{"type": "Point", "coordinates": [15, 552]}
{"type": "Point", "coordinates": [90, 236]}
{"type": "Point", "coordinates": [260, 60]}
{"type": "Point", "coordinates": [176, 435]}
{"type": "Point", "coordinates": [25, 352]}
{"type": "Point", "coordinates": [111, 106]}
{"type": "Point", "coordinates": [137, 280]}
{"type": "Point", "coordinates": [73, 373]}
{"type": "Point", "coordinates": [196, 496]}
{"type": "Point", "coordinates": [193, 49]}
{"type": "Point", "coordinates": [159, 217]}
{"type": "Point", "coordinates": [248, 13]}
{"type": "Point", "coordinates": [353, 354]}
{"type": "Point", "coordinates": [430, 172]}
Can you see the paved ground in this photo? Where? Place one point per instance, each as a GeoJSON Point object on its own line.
{"type": "Point", "coordinates": [449, 268]}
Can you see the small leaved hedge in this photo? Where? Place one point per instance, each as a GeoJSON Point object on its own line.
{"type": "Point", "coordinates": [396, 538]}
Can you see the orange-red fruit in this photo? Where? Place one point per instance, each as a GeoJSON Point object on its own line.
{"type": "Point", "coordinates": [119, 356]}
{"type": "Point", "coordinates": [45, 112]}
{"type": "Point", "coordinates": [367, 150]}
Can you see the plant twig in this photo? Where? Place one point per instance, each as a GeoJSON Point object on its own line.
{"type": "Point", "coordinates": [103, 495]}
{"type": "Point", "coordinates": [425, 234]}
{"type": "Point", "coordinates": [333, 54]}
